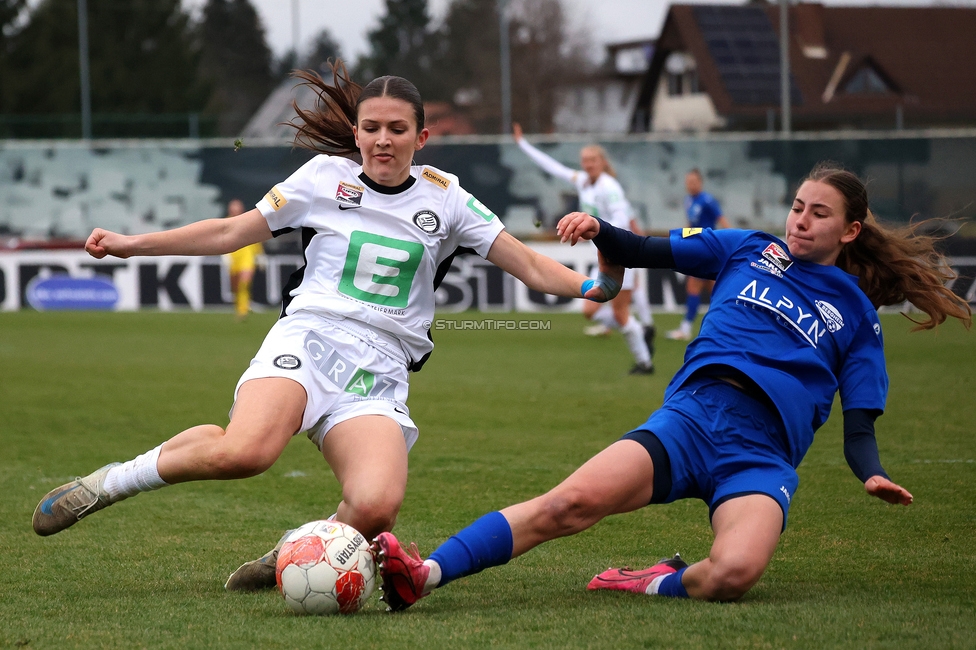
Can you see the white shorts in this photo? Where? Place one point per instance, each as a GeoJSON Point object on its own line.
{"type": "Point", "coordinates": [343, 373]}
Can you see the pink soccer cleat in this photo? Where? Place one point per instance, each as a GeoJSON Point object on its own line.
{"type": "Point", "coordinates": [403, 572]}
{"type": "Point", "coordinates": [636, 581]}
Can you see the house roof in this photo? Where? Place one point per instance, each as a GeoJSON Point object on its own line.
{"type": "Point", "coordinates": [924, 56]}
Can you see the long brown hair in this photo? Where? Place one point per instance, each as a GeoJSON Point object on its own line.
{"type": "Point", "coordinates": [893, 264]}
{"type": "Point", "coordinates": [328, 127]}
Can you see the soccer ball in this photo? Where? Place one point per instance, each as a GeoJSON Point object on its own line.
{"type": "Point", "coordinates": [325, 567]}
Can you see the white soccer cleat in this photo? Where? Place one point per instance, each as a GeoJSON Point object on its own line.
{"type": "Point", "coordinates": [64, 506]}
{"type": "Point", "coordinates": [678, 335]}
{"type": "Point", "coordinates": [597, 330]}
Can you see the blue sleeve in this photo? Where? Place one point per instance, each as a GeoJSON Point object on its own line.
{"type": "Point", "coordinates": [703, 252]}
{"type": "Point", "coordinates": [623, 247]}
{"type": "Point", "coordinates": [860, 445]}
{"type": "Point", "coordinates": [863, 378]}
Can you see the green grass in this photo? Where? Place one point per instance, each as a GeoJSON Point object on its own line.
{"type": "Point", "coordinates": [503, 416]}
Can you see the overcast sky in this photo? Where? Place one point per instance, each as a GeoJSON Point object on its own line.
{"type": "Point", "coordinates": [606, 21]}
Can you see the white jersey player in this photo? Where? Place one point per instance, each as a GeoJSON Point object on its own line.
{"type": "Point", "coordinates": [354, 319]}
{"type": "Point", "coordinates": [601, 195]}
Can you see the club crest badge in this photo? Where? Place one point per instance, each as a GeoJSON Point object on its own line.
{"type": "Point", "coordinates": [427, 221]}
{"type": "Point", "coordinates": [288, 362]}
{"type": "Point", "coordinates": [830, 315]}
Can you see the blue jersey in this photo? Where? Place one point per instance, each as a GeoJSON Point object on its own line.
{"type": "Point", "coordinates": [801, 331]}
{"type": "Point", "coordinates": [703, 210]}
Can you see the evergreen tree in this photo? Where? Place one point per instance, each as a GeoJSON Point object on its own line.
{"type": "Point", "coordinates": [143, 59]}
{"type": "Point", "coordinates": [324, 47]}
{"type": "Point", "coordinates": [236, 60]}
{"type": "Point", "coordinates": [403, 45]}
{"type": "Point", "coordinates": [10, 11]}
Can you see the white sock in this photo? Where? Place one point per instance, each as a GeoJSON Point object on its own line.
{"type": "Point", "coordinates": [642, 307]}
{"type": "Point", "coordinates": [655, 585]}
{"type": "Point", "coordinates": [604, 316]}
{"type": "Point", "coordinates": [686, 327]}
{"type": "Point", "coordinates": [634, 335]}
{"type": "Point", "coordinates": [434, 577]}
{"type": "Point", "coordinates": [135, 476]}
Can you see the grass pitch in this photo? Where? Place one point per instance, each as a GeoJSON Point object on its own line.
{"type": "Point", "coordinates": [504, 415]}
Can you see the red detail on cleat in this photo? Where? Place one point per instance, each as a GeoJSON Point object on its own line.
{"type": "Point", "coordinates": [635, 581]}
{"type": "Point", "coordinates": [403, 572]}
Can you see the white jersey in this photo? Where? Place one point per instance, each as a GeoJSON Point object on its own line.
{"type": "Point", "coordinates": [603, 198]}
{"type": "Point", "coordinates": [371, 252]}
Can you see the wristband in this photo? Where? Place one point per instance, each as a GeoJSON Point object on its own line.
{"type": "Point", "coordinates": [603, 281]}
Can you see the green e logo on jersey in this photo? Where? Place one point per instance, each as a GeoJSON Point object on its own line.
{"type": "Point", "coordinates": [480, 209]}
{"type": "Point", "coordinates": [380, 269]}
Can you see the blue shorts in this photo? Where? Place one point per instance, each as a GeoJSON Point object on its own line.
{"type": "Point", "coordinates": [721, 444]}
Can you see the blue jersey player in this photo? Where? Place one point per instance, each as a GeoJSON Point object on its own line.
{"type": "Point", "coordinates": [704, 212]}
{"type": "Point", "coordinates": [792, 323]}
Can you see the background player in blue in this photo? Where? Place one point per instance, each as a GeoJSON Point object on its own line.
{"type": "Point", "coordinates": [791, 324]}
{"type": "Point", "coordinates": [703, 211]}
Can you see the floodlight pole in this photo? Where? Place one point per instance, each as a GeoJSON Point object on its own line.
{"type": "Point", "coordinates": [295, 29]}
{"type": "Point", "coordinates": [86, 120]}
{"type": "Point", "coordinates": [784, 67]}
{"type": "Point", "coordinates": [505, 60]}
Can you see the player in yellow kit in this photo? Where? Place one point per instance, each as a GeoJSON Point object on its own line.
{"type": "Point", "coordinates": [242, 264]}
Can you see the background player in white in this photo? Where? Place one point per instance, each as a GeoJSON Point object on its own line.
{"type": "Point", "coordinates": [703, 211]}
{"type": "Point", "coordinates": [602, 196]}
{"type": "Point", "coordinates": [353, 319]}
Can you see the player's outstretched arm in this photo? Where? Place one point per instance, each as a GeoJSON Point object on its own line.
{"type": "Point", "coordinates": [547, 163]}
{"type": "Point", "coordinates": [886, 490]}
{"type": "Point", "coordinates": [547, 275]}
{"type": "Point", "coordinates": [207, 237]}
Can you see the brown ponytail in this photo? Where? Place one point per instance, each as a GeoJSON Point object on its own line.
{"type": "Point", "coordinates": [328, 127]}
{"type": "Point", "coordinates": [894, 264]}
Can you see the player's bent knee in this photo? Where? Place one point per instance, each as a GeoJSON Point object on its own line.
{"type": "Point", "coordinates": [373, 516]}
{"type": "Point", "coordinates": [567, 512]}
{"type": "Point", "coordinates": [731, 581]}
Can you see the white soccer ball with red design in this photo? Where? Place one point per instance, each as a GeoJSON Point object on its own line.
{"type": "Point", "coordinates": [325, 567]}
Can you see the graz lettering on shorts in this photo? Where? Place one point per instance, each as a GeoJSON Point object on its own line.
{"type": "Point", "coordinates": [380, 270]}
{"type": "Point", "coordinates": [786, 309]}
{"type": "Point", "coordinates": [346, 374]}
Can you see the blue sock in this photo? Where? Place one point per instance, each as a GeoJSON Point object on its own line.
{"type": "Point", "coordinates": [485, 543]}
{"type": "Point", "coordinates": [692, 305]}
{"type": "Point", "coordinates": [671, 586]}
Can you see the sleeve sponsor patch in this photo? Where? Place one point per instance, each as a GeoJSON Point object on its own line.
{"type": "Point", "coordinates": [275, 198]}
{"type": "Point", "coordinates": [435, 178]}
{"type": "Point", "coordinates": [688, 232]}
{"type": "Point", "coordinates": [480, 209]}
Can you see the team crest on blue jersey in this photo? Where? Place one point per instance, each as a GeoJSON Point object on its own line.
{"type": "Point", "coordinates": [775, 254]}
{"type": "Point", "coordinates": [427, 221]}
{"type": "Point", "coordinates": [830, 315]}
{"type": "Point", "coordinates": [349, 193]}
